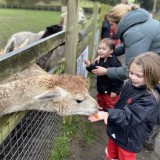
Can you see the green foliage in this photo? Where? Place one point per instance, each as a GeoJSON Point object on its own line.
{"type": "Point", "coordinates": [110, 2]}
{"type": "Point", "coordinates": [87, 133]}
{"type": "Point", "coordinates": [158, 18]}
{"type": "Point", "coordinates": [79, 129]}
{"type": "Point", "coordinates": [148, 5]}
{"type": "Point", "coordinates": [16, 20]}
{"type": "Point", "coordinates": [60, 149]}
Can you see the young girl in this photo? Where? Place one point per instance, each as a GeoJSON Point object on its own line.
{"type": "Point", "coordinates": [136, 111]}
{"type": "Point", "coordinates": [108, 89]}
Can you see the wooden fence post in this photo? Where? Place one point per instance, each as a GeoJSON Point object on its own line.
{"type": "Point", "coordinates": [92, 42]}
{"type": "Point", "coordinates": [71, 41]}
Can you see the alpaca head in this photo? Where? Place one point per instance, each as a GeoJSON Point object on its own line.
{"type": "Point", "coordinates": [81, 18]}
{"type": "Point", "coordinates": [52, 30]}
{"type": "Point", "coordinates": [65, 94]}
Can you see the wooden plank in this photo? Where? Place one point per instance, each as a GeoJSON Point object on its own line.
{"type": "Point", "coordinates": [21, 58]}
{"type": "Point", "coordinates": [91, 48]}
{"type": "Point", "coordinates": [8, 123]}
{"type": "Point", "coordinates": [71, 37]}
{"type": "Point", "coordinates": [83, 44]}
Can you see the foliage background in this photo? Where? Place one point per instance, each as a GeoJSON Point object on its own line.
{"type": "Point", "coordinates": [147, 4]}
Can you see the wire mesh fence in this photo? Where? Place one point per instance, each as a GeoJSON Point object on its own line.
{"type": "Point", "coordinates": [32, 138]}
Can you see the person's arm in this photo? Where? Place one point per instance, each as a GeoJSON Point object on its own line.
{"type": "Point", "coordinates": [113, 73]}
{"type": "Point", "coordinates": [119, 50]}
{"type": "Point", "coordinates": [135, 44]}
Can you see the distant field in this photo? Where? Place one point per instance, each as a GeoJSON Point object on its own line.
{"type": "Point", "coordinates": [15, 20]}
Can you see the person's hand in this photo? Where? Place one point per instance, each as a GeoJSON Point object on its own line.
{"type": "Point", "coordinates": [96, 60]}
{"type": "Point", "coordinates": [99, 71]}
{"type": "Point", "coordinates": [101, 115]}
{"type": "Point", "coordinates": [87, 62]}
{"type": "Point", "coordinates": [113, 95]}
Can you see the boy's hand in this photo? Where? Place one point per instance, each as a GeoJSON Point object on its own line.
{"type": "Point", "coordinates": [113, 95]}
{"type": "Point", "coordinates": [96, 60]}
{"type": "Point", "coordinates": [101, 115]}
{"type": "Point", "coordinates": [87, 62]}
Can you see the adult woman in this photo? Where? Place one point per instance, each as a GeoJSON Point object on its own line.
{"type": "Point", "coordinates": [138, 32]}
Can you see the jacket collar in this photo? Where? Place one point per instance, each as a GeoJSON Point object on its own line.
{"type": "Point", "coordinates": [132, 18]}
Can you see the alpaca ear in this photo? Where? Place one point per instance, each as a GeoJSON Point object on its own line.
{"type": "Point", "coordinates": [54, 94]}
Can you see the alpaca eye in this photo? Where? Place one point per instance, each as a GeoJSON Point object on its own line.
{"type": "Point", "coordinates": [79, 101]}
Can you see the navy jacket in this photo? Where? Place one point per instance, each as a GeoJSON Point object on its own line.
{"type": "Point", "coordinates": [104, 83]}
{"type": "Point", "coordinates": [130, 124]}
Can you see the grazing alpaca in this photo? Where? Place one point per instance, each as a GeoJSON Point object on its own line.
{"type": "Point", "coordinates": [17, 39]}
{"type": "Point", "coordinates": [52, 58]}
{"type": "Point", "coordinates": [34, 89]}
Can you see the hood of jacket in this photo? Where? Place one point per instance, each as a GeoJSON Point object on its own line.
{"type": "Point", "coordinates": [132, 18]}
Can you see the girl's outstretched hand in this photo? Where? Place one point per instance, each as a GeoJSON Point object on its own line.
{"type": "Point", "coordinates": [101, 115]}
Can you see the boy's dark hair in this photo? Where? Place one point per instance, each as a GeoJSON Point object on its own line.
{"type": "Point", "coordinates": [109, 42]}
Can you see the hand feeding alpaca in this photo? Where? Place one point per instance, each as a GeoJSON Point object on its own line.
{"type": "Point", "coordinates": [34, 89]}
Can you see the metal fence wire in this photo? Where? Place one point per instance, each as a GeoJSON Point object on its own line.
{"type": "Point", "coordinates": [33, 138]}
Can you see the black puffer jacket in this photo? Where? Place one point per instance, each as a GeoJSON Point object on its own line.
{"type": "Point", "coordinates": [129, 124]}
{"type": "Point", "coordinates": [104, 83]}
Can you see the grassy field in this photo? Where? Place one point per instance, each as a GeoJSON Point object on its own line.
{"type": "Point", "coordinates": [16, 20]}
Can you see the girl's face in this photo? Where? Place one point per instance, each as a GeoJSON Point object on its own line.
{"type": "Point", "coordinates": [104, 51]}
{"type": "Point", "coordinates": [114, 26]}
{"type": "Point", "coordinates": [136, 75]}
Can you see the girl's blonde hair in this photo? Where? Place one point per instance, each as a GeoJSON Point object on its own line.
{"type": "Point", "coordinates": [150, 63]}
{"type": "Point", "coordinates": [117, 13]}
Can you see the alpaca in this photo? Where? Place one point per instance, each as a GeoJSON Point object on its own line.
{"type": "Point", "coordinates": [35, 89]}
{"type": "Point", "coordinates": [17, 39]}
{"type": "Point", "coordinates": [51, 59]}
{"type": "Point", "coordinates": [81, 18]}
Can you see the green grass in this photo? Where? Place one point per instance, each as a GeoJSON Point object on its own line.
{"type": "Point", "coordinates": [80, 129]}
{"type": "Point", "coordinates": [16, 20]}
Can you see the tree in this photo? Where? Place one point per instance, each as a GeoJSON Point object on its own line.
{"type": "Point", "coordinates": [148, 5]}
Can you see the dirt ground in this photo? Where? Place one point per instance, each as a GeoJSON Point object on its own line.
{"type": "Point", "coordinates": [80, 151]}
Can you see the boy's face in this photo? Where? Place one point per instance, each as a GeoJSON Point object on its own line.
{"type": "Point", "coordinates": [136, 75]}
{"type": "Point", "coordinates": [104, 51]}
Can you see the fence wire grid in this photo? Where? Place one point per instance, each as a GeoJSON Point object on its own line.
{"type": "Point", "coordinates": [33, 138]}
